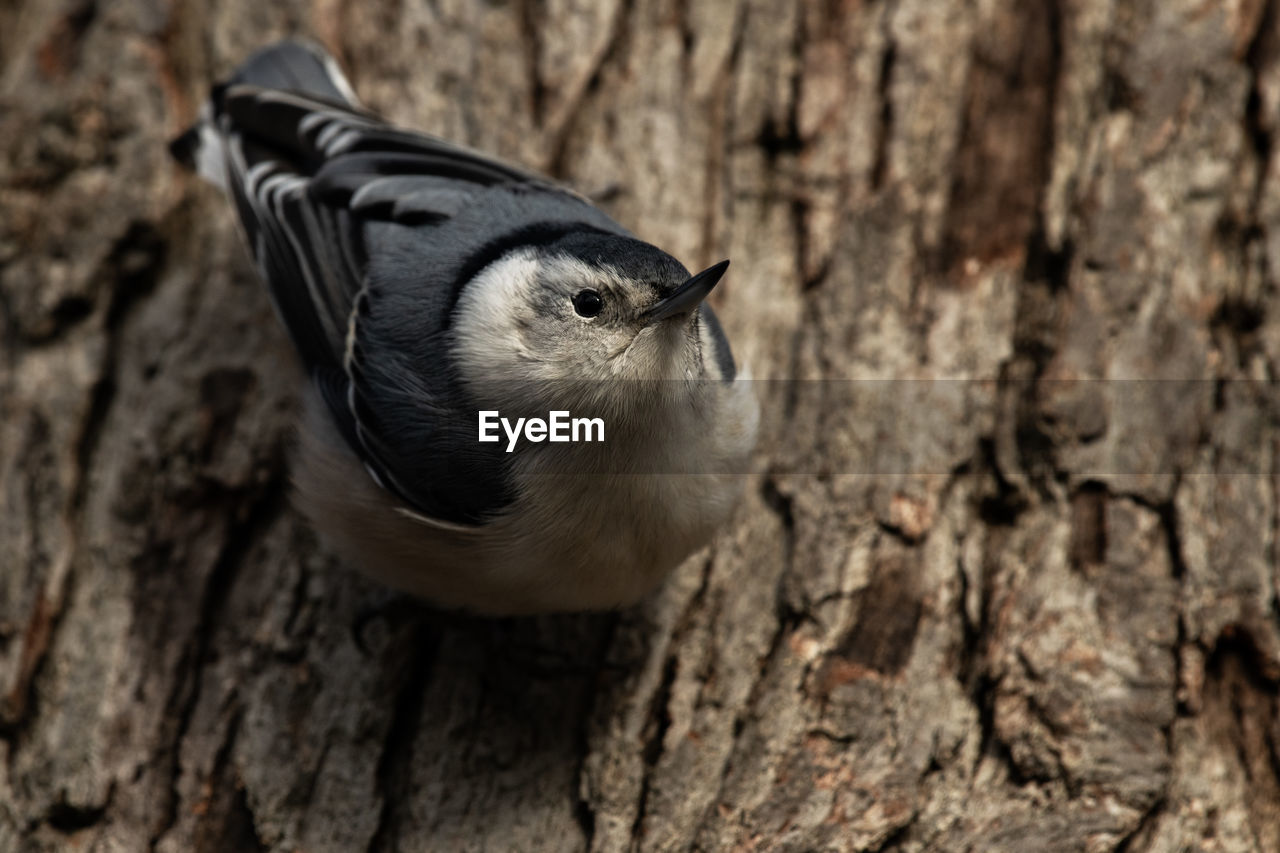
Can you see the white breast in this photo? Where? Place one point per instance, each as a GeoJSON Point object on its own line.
{"type": "Point", "coordinates": [570, 542]}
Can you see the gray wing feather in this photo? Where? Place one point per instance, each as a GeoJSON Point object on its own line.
{"type": "Point", "coordinates": [411, 199]}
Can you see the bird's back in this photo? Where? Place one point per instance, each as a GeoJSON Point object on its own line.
{"type": "Point", "coordinates": [366, 234]}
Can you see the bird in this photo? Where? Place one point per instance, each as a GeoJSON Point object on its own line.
{"type": "Point", "coordinates": [423, 284]}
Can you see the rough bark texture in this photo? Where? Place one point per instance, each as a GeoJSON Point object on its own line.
{"type": "Point", "coordinates": [1063, 635]}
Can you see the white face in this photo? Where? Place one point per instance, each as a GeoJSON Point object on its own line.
{"type": "Point", "coordinates": [547, 319]}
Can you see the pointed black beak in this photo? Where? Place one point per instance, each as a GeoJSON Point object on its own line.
{"type": "Point", "coordinates": [688, 295]}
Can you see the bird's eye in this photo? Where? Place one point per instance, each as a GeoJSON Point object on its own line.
{"type": "Point", "coordinates": [587, 303]}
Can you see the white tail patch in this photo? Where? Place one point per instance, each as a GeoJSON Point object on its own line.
{"type": "Point", "coordinates": [210, 156]}
{"type": "Point", "coordinates": [339, 79]}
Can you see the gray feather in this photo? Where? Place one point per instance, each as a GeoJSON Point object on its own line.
{"type": "Point", "coordinates": [411, 199]}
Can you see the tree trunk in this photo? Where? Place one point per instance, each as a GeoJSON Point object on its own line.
{"type": "Point", "coordinates": [1034, 606]}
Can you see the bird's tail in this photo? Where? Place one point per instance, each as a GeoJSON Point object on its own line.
{"type": "Point", "coordinates": [292, 65]}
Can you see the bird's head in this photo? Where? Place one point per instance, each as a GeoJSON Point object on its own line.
{"type": "Point", "coordinates": [588, 307]}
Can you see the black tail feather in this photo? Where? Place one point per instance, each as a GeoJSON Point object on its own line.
{"type": "Point", "coordinates": [183, 148]}
{"type": "Point", "coordinates": [294, 65]}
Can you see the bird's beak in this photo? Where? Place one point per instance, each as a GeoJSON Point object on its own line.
{"type": "Point", "coordinates": [688, 296]}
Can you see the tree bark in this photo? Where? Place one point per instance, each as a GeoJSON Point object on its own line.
{"type": "Point", "coordinates": [1045, 614]}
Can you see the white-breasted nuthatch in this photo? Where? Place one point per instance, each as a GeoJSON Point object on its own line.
{"type": "Point", "coordinates": [423, 283]}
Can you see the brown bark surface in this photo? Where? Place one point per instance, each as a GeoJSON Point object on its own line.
{"type": "Point", "coordinates": [1054, 625]}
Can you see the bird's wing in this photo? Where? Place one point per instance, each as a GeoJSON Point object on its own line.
{"type": "Point", "coordinates": [321, 186]}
